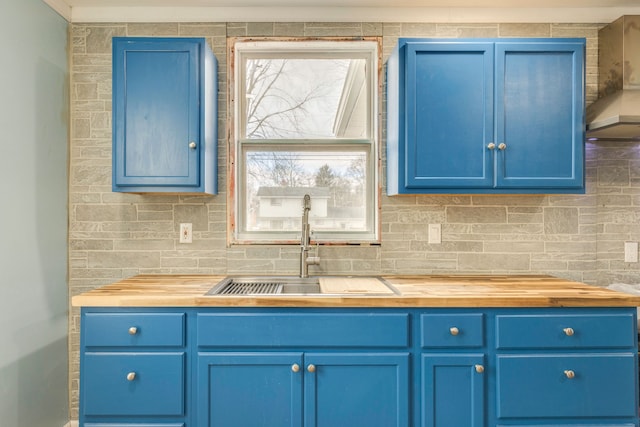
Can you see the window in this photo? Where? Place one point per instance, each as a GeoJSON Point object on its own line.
{"type": "Point", "coordinates": [305, 122]}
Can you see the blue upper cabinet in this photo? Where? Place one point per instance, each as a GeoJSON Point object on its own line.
{"type": "Point", "coordinates": [164, 116]}
{"type": "Point", "coordinates": [485, 116]}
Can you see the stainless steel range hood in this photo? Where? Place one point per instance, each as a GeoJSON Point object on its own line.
{"type": "Point", "coordinates": [616, 113]}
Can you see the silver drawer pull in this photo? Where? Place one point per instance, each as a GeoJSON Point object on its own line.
{"type": "Point", "coordinates": [131, 376]}
{"type": "Point", "coordinates": [133, 330]}
{"type": "Point", "coordinates": [295, 367]}
{"type": "Point", "coordinates": [568, 331]}
{"type": "Point", "coordinates": [479, 369]}
{"type": "Point", "coordinates": [454, 331]}
{"type": "Point", "coordinates": [193, 145]}
{"type": "Point", "coordinates": [569, 374]}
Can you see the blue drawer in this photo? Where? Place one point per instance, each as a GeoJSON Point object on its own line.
{"type": "Point", "coordinates": [155, 388]}
{"type": "Point", "coordinates": [556, 386]}
{"type": "Point", "coordinates": [452, 330]}
{"type": "Point", "coordinates": [565, 331]}
{"type": "Point", "coordinates": [133, 329]}
{"type": "Point", "coordinates": [132, 425]}
{"type": "Point", "coordinates": [299, 329]}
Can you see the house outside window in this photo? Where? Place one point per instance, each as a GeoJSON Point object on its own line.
{"type": "Point", "coordinates": [305, 122]}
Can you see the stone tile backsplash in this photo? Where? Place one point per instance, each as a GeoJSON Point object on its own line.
{"type": "Point", "coordinates": [115, 235]}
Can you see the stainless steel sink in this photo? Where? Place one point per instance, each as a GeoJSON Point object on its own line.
{"type": "Point", "coordinates": [277, 285]}
{"type": "Point", "coordinates": [266, 286]}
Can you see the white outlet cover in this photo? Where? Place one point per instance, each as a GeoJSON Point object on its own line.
{"type": "Point", "coordinates": [186, 233]}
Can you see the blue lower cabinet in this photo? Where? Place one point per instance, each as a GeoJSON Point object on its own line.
{"type": "Point", "coordinates": [566, 386]}
{"type": "Point", "coordinates": [126, 384]}
{"type": "Point", "coordinates": [249, 389]}
{"type": "Point", "coordinates": [358, 389]}
{"type": "Point", "coordinates": [131, 425]}
{"type": "Point", "coordinates": [453, 390]}
{"type": "Point", "coordinates": [296, 389]}
{"type": "Point", "coordinates": [353, 367]}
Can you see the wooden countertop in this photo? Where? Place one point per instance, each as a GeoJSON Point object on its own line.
{"type": "Point", "coordinates": [415, 291]}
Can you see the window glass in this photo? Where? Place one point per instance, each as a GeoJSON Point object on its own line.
{"type": "Point", "coordinates": [276, 182]}
{"type": "Point", "coordinates": [305, 122]}
{"type": "Point", "coordinates": [304, 98]}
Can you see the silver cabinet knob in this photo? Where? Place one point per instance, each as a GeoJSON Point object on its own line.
{"type": "Point", "coordinates": [295, 367]}
{"type": "Point", "coordinates": [131, 376]}
{"type": "Point", "coordinates": [491, 146]}
{"type": "Point", "coordinates": [502, 146]}
{"type": "Point", "coordinates": [479, 369]}
{"type": "Point", "coordinates": [454, 331]}
{"type": "Point", "coordinates": [133, 330]}
{"type": "Point", "coordinates": [193, 145]}
{"type": "Point", "coordinates": [568, 331]}
{"type": "Point", "coordinates": [311, 368]}
{"type": "Point", "coordinates": [569, 373]}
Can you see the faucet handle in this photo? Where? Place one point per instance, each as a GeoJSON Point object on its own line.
{"type": "Point", "coordinates": [313, 260]}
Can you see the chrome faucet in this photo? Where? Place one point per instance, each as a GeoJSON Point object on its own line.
{"type": "Point", "coordinates": [305, 240]}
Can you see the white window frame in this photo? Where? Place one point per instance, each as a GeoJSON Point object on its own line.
{"type": "Point", "coordinates": [239, 49]}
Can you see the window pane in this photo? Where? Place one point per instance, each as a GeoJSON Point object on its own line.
{"type": "Point", "coordinates": [310, 98]}
{"type": "Point", "coordinates": [276, 182]}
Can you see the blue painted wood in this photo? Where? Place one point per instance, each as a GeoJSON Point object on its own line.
{"type": "Point", "coordinates": [249, 389]}
{"type": "Point", "coordinates": [540, 115]}
{"type": "Point", "coordinates": [536, 386]}
{"type": "Point", "coordinates": [453, 392]}
{"type": "Point", "coordinates": [523, 356]}
{"type": "Point", "coordinates": [364, 389]}
{"type": "Point", "coordinates": [133, 425]}
{"type": "Point", "coordinates": [572, 425]}
{"type": "Point", "coordinates": [108, 391]}
{"type": "Point", "coordinates": [152, 329]}
{"type": "Point", "coordinates": [303, 330]}
{"type": "Point", "coordinates": [548, 331]}
{"type": "Point", "coordinates": [448, 100]}
{"type": "Point", "coordinates": [164, 98]}
{"type": "Point", "coordinates": [436, 330]}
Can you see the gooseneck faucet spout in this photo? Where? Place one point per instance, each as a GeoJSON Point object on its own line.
{"type": "Point", "coordinates": [305, 240]}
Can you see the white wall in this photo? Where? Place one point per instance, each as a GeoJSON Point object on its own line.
{"type": "Point", "coordinates": [33, 217]}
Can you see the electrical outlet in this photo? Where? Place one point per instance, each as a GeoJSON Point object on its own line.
{"type": "Point", "coordinates": [435, 234]}
{"type": "Point", "coordinates": [186, 233]}
{"type": "Point", "coordinates": [630, 251]}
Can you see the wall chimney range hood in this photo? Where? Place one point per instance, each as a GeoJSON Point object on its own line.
{"type": "Point", "coordinates": [616, 113]}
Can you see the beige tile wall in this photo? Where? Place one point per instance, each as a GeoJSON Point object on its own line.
{"type": "Point", "coordinates": [114, 235]}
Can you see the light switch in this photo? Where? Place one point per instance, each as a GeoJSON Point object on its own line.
{"type": "Point", "coordinates": [630, 251]}
{"type": "Point", "coordinates": [435, 234]}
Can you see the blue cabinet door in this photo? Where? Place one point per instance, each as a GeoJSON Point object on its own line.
{"type": "Point", "coordinates": [449, 104]}
{"type": "Point", "coordinates": [356, 389]}
{"type": "Point", "coordinates": [266, 389]}
{"type": "Point", "coordinates": [453, 390]}
{"type": "Point", "coordinates": [539, 115]}
{"type": "Point", "coordinates": [249, 389]}
{"type": "Point", "coordinates": [163, 115]}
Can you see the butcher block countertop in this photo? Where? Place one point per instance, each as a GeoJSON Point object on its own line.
{"type": "Point", "coordinates": [412, 291]}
